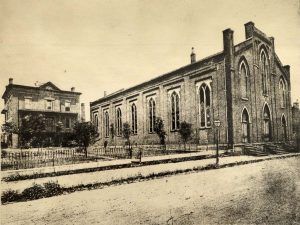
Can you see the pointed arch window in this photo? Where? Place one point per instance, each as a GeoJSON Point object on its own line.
{"type": "Point", "coordinates": [175, 111]}
{"type": "Point", "coordinates": [245, 126]}
{"type": "Point", "coordinates": [205, 105]}
{"type": "Point", "coordinates": [152, 115]}
{"type": "Point", "coordinates": [284, 125]}
{"type": "Point", "coordinates": [266, 124]}
{"type": "Point", "coordinates": [264, 67]}
{"type": "Point", "coordinates": [96, 120]}
{"type": "Point", "coordinates": [133, 119]}
{"type": "Point", "coordinates": [282, 93]}
{"type": "Point", "coordinates": [106, 124]}
{"type": "Point", "coordinates": [244, 77]}
{"type": "Point", "coordinates": [119, 122]}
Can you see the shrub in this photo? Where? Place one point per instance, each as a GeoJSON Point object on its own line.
{"type": "Point", "coordinates": [52, 188]}
{"type": "Point", "coordinates": [10, 196]}
{"type": "Point", "coordinates": [35, 192]}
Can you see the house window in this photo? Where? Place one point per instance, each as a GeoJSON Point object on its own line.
{"type": "Point", "coordinates": [119, 122]}
{"type": "Point", "coordinates": [244, 79]}
{"type": "Point", "coordinates": [50, 126]}
{"type": "Point", "coordinates": [68, 122]}
{"type": "Point", "coordinates": [264, 67]}
{"type": "Point", "coordinates": [27, 103]}
{"type": "Point", "coordinates": [49, 104]}
{"type": "Point", "coordinates": [106, 124]}
{"type": "Point", "coordinates": [151, 115]}
{"type": "Point", "coordinates": [205, 105]}
{"type": "Point", "coordinates": [174, 111]}
{"type": "Point", "coordinates": [282, 93]}
{"type": "Point", "coordinates": [133, 119]}
{"type": "Point", "coordinates": [67, 106]}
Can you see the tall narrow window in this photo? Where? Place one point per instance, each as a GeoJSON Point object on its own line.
{"type": "Point", "coordinates": [266, 124]}
{"type": "Point", "coordinates": [68, 122]}
{"type": "Point", "coordinates": [133, 119]}
{"type": "Point", "coordinates": [264, 71]}
{"type": "Point", "coordinates": [245, 127]}
{"type": "Point", "coordinates": [205, 106]}
{"type": "Point", "coordinates": [27, 103]}
{"type": "Point", "coordinates": [284, 132]}
{"type": "Point", "coordinates": [67, 106]}
{"type": "Point", "coordinates": [244, 79]}
{"type": "Point", "coordinates": [106, 124]}
{"type": "Point", "coordinates": [151, 115]}
{"type": "Point", "coordinates": [49, 104]}
{"type": "Point", "coordinates": [96, 120]}
{"type": "Point", "coordinates": [175, 111]}
{"type": "Point", "coordinates": [282, 92]}
{"type": "Point", "coordinates": [119, 122]}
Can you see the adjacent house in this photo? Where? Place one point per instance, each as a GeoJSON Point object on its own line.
{"type": "Point", "coordinates": [58, 106]}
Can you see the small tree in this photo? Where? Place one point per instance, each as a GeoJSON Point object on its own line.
{"type": "Point", "coordinates": [160, 131]}
{"type": "Point", "coordinates": [9, 128]}
{"type": "Point", "coordinates": [85, 134]}
{"type": "Point", "coordinates": [112, 132]}
{"type": "Point", "coordinates": [185, 131]}
{"type": "Point", "coordinates": [32, 129]}
{"type": "Point", "coordinates": [59, 128]}
{"type": "Point", "coordinates": [126, 133]}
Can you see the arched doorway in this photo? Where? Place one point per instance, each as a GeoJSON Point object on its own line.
{"type": "Point", "coordinates": [266, 124]}
{"type": "Point", "coordinates": [283, 124]}
{"type": "Point", "coordinates": [245, 127]}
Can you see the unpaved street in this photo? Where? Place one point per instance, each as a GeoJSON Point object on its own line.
{"type": "Point", "coordinates": [259, 193]}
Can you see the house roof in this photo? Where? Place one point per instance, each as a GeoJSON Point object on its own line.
{"type": "Point", "coordinates": [47, 86]}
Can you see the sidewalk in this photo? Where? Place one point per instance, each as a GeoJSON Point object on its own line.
{"type": "Point", "coordinates": [111, 175]}
{"type": "Point", "coordinates": [103, 164]}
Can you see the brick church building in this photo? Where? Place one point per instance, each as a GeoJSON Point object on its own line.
{"type": "Point", "coordinates": [245, 87]}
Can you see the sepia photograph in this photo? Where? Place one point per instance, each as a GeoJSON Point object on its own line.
{"type": "Point", "coordinates": [162, 112]}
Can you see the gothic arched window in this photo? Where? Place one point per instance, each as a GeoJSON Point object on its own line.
{"type": "Point", "coordinates": [244, 77]}
{"type": "Point", "coordinates": [106, 124]}
{"type": "Point", "coordinates": [245, 126]}
{"type": "Point", "coordinates": [264, 67]}
{"type": "Point", "coordinates": [96, 120]}
{"type": "Point", "coordinates": [205, 105]}
{"type": "Point", "coordinates": [282, 93]}
{"type": "Point", "coordinates": [266, 123]}
{"type": "Point", "coordinates": [119, 122]}
{"type": "Point", "coordinates": [151, 115]}
{"type": "Point", "coordinates": [133, 119]}
{"type": "Point", "coordinates": [174, 111]}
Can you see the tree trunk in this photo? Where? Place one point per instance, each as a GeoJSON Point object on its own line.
{"type": "Point", "coordinates": [85, 150]}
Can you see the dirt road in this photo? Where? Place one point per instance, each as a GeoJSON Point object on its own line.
{"type": "Point", "coordinates": [261, 193]}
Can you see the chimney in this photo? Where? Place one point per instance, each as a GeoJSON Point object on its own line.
{"type": "Point", "coordinates": [249, 29]}
{"type": "Point", "coordinates": [105, 93]}
{"type": "Point", "coordinates": [229, 76]}
{"type": "Point", "coordinates": [193, 56]}
{"type": "Point", "coordinates": [296, 104]}
{"type": "Point", "coordinates": [228, 43]}
{"type": "Point", "coordinates": [10, 81]}
{"type": "Point", "coordinates": [82, 116]}
{"type": "Point", "coordinates": [287, 69]}
{"type": "Point", "coordinates": [72, 89]}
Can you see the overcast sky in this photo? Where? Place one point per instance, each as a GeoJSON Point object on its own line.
{"type": "Point", "coordinates": [99, 46]}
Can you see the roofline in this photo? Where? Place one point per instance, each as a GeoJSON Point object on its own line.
{"type": "Point", "coordinates": [10, 86]}
{"type": "Point", "coordinates": [155, 79]}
